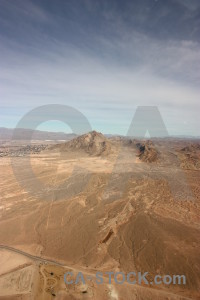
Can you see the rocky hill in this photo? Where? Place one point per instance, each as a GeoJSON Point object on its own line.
{"type": "Point", "coordinates": [147, 152]}
{"type": "Point", "coordinates": [93, 143]}
{"type": "Point", "coordinates": [190, 156]}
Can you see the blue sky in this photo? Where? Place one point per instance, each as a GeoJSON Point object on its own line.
{"type": "Point", "coordinates": [104, 58]}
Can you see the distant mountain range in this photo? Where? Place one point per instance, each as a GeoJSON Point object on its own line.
{"type": "Point", "coordinates": [7, 133]}
{"type": "Point", "coordinates": [23, 134]}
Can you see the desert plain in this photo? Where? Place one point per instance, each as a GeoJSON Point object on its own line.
{"type": "Point", "coordinates": [97, 204]}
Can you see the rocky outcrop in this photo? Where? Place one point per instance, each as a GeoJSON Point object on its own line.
{"type": "Point", "coordinates": [190, 156]}
{"type": "Point", "coordinates": [147, 152]}
{"type": "Point", "coordinates": [107, 237]}
{"type": "Point", "coordinates": [93, 143]}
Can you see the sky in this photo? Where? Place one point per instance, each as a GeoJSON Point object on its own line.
{"type": "Point", "coordinates": [103, 58]}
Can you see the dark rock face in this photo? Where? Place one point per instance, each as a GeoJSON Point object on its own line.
{"type": "Point", "coordinates": [147, 151]}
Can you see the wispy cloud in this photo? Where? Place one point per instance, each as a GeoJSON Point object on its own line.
{"type": "Point", "coordinates": [104, 72]}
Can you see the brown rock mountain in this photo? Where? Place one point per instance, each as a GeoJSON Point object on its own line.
{"type": "Point", "coordinates": [93, 143]}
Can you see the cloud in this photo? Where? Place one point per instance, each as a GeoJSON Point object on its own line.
{"type": "Point", "coordinates": [102, 72]}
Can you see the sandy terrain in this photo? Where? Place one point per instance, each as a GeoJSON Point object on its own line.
{"type": "Point", "coordinates": [18, 276]}
{"type": "Point", "coordinates": [120, 211]}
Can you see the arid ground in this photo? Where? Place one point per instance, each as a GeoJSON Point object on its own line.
{"type": "Point", "coordinates": [97, 204]}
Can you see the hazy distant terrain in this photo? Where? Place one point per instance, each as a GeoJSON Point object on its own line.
{"type": "Point", "coordinates": [24, 134]}
{"type": "Point", "coordinates": [116, 204]}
